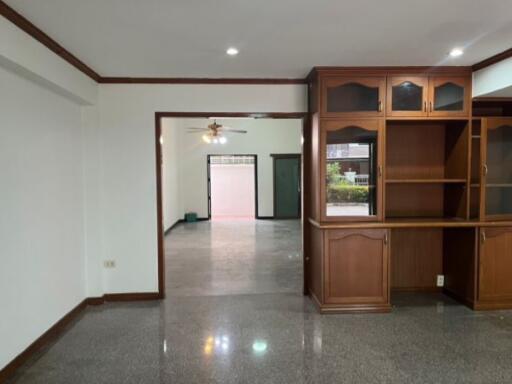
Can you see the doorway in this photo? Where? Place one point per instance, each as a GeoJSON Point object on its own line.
{"type": "Point", "coordinates": [232, 187]}
{"type": "Point", "coordinates": [270, 134]}
{"type": "Point", "coordinates": [287, 186]}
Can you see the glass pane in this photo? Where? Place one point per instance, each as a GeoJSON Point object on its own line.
{"type": "Point", "coordinates": [449, 97]}
{"type": "Point", "coordinates": [351, 172]}
{"type": "Point", "coordinates": [352, 97]}
{"type": "Point", "coordinates": [498, 201]}
{"type": "Point", "coordinates": [407, 96]}
{"type": "Point", "coordinates": [499, 173]}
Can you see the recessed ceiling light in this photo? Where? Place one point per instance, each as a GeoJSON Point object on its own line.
{"type": "Point", "coordinates": [456, 52]}
{"type": "Point", "coordinates": [232, 51]}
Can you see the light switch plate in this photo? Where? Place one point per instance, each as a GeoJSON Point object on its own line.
{"type": "Point", "coordinates": [109, 264]}
{"type": "Point", "coordinates": [440, 280]}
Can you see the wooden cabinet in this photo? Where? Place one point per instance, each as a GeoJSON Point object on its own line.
{"type": "Point", "coordinates": [496, 177]}
{"type": "Point", "coordinates": [407, 96]}
{"type": "Point", "coordinates": [351, 169]}
{"type": "Point", "coordinates": [449, 96]}
{"type": "Point", "coordinates": [357, 269]}
{"type": "Point", "coordinates": [428, 96]}
{"type": "Point", "coordinates": [353, 96]}
{"type": "Point", "coordinates": [495, 265]}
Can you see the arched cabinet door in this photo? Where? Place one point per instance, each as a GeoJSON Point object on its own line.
{"type": "Point", "coordinates": [449, 96]}
{"type": "Point", "coordinates": [407, 96]}
{"type": "Point", "coordinates": [351, 169]}
{"type": "Point", "coordinates": [357, 268]}
{"type": "Point", "coordinates": [353, 96]}
{"type": "Point", "coordinates": [496, 178]}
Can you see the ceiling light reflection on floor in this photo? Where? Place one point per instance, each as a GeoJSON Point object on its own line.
{"type": "Point", "coordinates": [259, 347]}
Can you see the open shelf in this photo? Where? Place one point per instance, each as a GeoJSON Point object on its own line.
{"type": "Point", "coordinates": [426, 181]}
{"type": "Point", "coordinates": [426, 170]}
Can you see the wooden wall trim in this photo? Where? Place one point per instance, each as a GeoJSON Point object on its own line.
{"type": "Point", "coordinates": [46, 338]}
{"type": "Point", "coordinates": [492, 60]}
{"type": "Point", "coordinates": [158, 169]}
{"type": "Point", "coordinates": [198, 80]}
{"type": "Point", "coordinates": [25, 25]}
{"type": "Point", "coordinates": [63, 325]}
{"type": "Point", "coordinates": [255, 115]}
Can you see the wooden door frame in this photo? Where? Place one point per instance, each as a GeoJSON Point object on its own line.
{"type": "Point", "coordinates": [304, 116]}
{"type": "Point", "coordinates": [208, 180]}
{"type": "Point", "coordinates": [285, 156]}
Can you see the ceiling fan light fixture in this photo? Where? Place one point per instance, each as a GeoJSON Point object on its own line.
{"type": "Point", "coordinates": [223, 140]}
{"type": "Point", "coordinates": [207, 139]}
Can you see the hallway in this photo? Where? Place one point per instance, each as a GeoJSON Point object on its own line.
{"type": "Point", "coordinates": [212, 258]}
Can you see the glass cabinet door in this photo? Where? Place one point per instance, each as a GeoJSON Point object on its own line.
{"type": "Point", "coordinates": [449, 96]}
{"type": "Point", "coordinates": [353, 96]}
{"type": "Point", "coordinates": [407, 96]}
{"type": "Point", "coordinates": [352, 171]}
{"type": "Point", "coordinates": [497, 168]}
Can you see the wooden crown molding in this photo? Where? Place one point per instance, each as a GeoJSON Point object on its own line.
{"type": "Point", "coordinates": [197, 80]}
{"type": "Point", "coordinates": [25, 25]}
{"type": "Point", "coordinates": [492, 60]}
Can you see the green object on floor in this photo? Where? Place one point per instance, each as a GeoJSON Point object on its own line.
{"type": "Point", "coordinates": [191, 217]}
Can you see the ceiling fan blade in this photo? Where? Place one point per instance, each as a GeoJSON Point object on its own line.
{"type": "Point", "coordinates": [234, 130]}
{"type": "Point", "coordinates": [197, 129]}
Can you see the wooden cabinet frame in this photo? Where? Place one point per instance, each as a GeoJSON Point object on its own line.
{"type": "Point", "coordinates": [488, 124]}
{"type": "Point", "coordinates": [379, 260]}
{"type": "Point", "coordinates": [369, 81]}
{"type": "Point", "coordinates": [495, 258]}
{"type": "Point", "coordinates": [392, 81]}
{"type": "Point", "coordinates": [462, 81]}
{"type": "Point", "coordinates": [376, 125]}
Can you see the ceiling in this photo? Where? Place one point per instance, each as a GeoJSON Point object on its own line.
{"type": "Point", "coordinates": [276, 39]}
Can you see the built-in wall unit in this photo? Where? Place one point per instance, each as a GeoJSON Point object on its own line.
{"type": "Point", "coordinates": [411, 189]}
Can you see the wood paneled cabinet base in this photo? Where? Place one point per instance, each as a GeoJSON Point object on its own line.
{"type": "Point", "coordinates": [356, 271]}
{"type": "Point", "coordinates": [495, 269]}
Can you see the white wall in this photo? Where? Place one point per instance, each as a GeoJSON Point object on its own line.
{"type": "Point", "coordinates": [263, 137]}
{"type": "Point", "coordinates": [171, 165]}
{"type": "Point", "coordinates": [42, 271]}
{"type": "Point", "coordinates": [128, 183]}
{"type": "Point", "coordinates": [21, 53]}
{"type": "Point", "coordinates": [494, 81]}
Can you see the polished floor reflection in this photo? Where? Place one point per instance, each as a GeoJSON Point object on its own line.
{"type": "Point", "coordinates": [211, 331]}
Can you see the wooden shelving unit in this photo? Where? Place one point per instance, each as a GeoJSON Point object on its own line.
{"type": "Point", "coordinates": [442, 196]}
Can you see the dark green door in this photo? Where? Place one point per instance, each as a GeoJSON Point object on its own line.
{"type": "Point", "coordinates": [286, 186]}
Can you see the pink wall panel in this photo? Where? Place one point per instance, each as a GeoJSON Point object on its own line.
{"type": "Point", "coordinates": [232, 189]}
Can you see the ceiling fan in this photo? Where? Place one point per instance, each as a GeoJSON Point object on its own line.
{"type": "Point", "coordinates": [214, 133]}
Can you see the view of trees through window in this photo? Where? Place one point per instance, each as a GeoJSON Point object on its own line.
{"type": "Point", "coordinates": [348, 179]}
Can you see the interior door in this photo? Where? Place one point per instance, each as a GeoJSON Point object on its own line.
{"type": "Point", "coordinates": [287, 186]}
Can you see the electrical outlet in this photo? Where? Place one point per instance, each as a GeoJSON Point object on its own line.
{"type": "Point", "coordinates": [109, 264]}
{"type": "Point", "coordinates": [440, 280]}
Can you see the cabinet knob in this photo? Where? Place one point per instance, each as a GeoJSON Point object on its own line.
{"type": "Point", "coordinates": [483, 237]}
{"type": "Point", "coordinates": [425, 106]}
{"type": "Point", "coordinates": [485, 169]}
{"type": "Point", "coordinates": [431, 107]}
{"type": "Point", "coordinates": [380, 106]}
